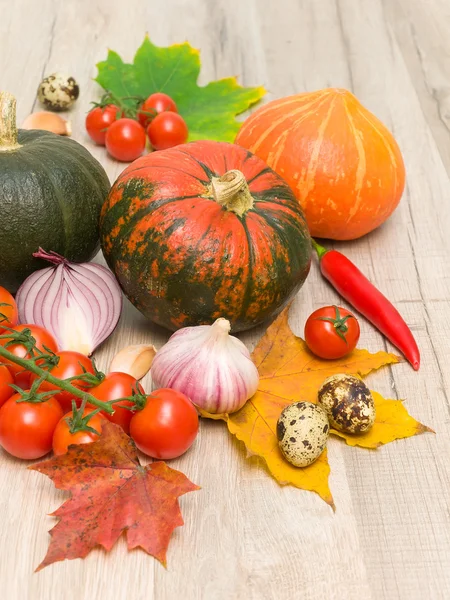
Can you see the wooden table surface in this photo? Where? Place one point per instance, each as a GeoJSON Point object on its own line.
{"type": "Point", "coordinates": [245, 537]}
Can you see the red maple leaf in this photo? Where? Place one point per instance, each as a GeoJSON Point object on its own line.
{"type": "Point", "coordinates": [112, 492]}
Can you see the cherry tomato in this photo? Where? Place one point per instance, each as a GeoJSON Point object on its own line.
{"type": "Point", "coordinates": [70, 364]}
{"type": "Point", "coordinates": [22, 379]}
{"type": "Point", "coordinates": [167, 130]}
{"type": "Point", "coordinates": [155, 104]}
{"type": "Point", "coordinates": [98, 120]}
{"type": "Point", "coordinates": [114, 386]}
{"type": "Point", "coordinates": [125, 140]}
{"type": "Point", "coordinates": [26, 428]}
{"type": "Point", "coordinates": [9, 315]}
{"type": "Point", "coordinates": [167, 426]}
{"type": "Point", "coordinates": [6, 391]}
{"type": "Point", "coordinates": [331, 332]}
{"type": "Point", "coordinates": [63, 438]}
{"type": "Point", "coordinates": [42, 337]}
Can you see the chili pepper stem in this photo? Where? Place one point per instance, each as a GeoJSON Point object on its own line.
{"type": "Point", "coordinates": [318, 248]}
{"type": "Point", "coordinates": [30, 365]}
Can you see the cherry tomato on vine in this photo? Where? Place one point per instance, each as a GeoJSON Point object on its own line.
{"type": "Point", "coordinates": [125, 140]}
{"type": "Point", "coordinates": [69, 364]}
{"type": "Point", "coordinates": [42, 337]}
{"type": "Point", "coordinates": [114, 386]}
{"type": "Point", "coordinates": [167, 426]}
{"type": "Point", "coordinates": [98, 120]}
{"type": "Point", "coordinates": [155, 104]}
{"type": "Point", "coordinates": [26, 428]}
{"type": "Point", "coordinates": [6, 391]}
{"type": "Point", "coordinates": [22, 379]}
{"type": "Point", "coordinates": [65, 435]}
{"type": "Point", "coordinates": [331, 332]}
{"type": "Point", "coordinates": [167, 130]}
{"type": "Point", "coordinates": [9, 315]}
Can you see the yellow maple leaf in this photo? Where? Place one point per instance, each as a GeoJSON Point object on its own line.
{"type": "Point", "coordinates": [392, 422]}
{"type": "Point", "coordinates": [289, 372]}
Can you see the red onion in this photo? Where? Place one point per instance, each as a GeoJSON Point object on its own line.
{"type": "Point", "coordinates": [80, 304]}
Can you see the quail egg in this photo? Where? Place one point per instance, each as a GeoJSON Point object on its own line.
{"type": "Point", "coordinates": [58, 91]}
{"type": "Point", "coordinates": [348, 403]}
{"type": "Point", "coordinates": [302, 432]}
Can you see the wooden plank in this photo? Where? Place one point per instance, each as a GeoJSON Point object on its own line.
{"type": "Point", "coordinates": [422, 32]}
{"type": "Point", "coordinates": [246, 537]}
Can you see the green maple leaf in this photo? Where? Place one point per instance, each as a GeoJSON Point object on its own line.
{"type": "Point", "coordinates": [209, 110]}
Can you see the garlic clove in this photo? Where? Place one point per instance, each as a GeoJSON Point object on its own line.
{"type": "Point", "coordinates": [135, 360]}
{"type": "Point", "coordinates": [48, 122]}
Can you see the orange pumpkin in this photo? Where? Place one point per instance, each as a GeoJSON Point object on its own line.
{"type": "Point", "coordinates": [344, 166]}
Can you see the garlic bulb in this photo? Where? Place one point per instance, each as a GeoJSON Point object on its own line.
{"type": "Point", "coordinates": [209, 366]}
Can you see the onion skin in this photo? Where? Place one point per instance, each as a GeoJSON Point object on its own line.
{"type": "Point", "coordinates": [80, 304]}
{"type": "Point", "coordinates": [48, 122]}
{"type": "Point", "coordinates": [212, 368]}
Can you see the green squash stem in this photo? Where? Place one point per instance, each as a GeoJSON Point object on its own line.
{"type": "Point", "coordinates": [8, 127]}
{"type": "Point", "coordinates": [231, 191]}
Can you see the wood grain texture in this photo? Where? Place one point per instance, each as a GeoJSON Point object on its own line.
{"type": "Point", "coordinates": [245, 537]}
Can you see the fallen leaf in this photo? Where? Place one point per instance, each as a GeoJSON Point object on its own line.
{"type": "Point", "coordinates": [289, 372]}
{"type": "Point", "coordinates": [209, 110]}
{"type": "Point", "coordinates": [392, 422]}
{"type": "Point", "coordinates": [111, 493]}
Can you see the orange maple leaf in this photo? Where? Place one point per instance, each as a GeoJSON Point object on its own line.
{"type": "Point", "coordinates": [289, 372]}
{"type": "Point", "coordinates": [110, 493]}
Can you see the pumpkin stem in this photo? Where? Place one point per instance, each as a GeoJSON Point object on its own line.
{"type": "Point", "coordinates": [231, 191]}
{"type": "Point", "coordinates": [8, 127]}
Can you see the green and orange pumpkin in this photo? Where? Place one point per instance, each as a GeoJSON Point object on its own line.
{"type": "Point", "coordinates": [202, 231]}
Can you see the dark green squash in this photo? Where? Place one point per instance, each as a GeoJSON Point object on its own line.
{"type": "Point", "coordinates": [51, 193]}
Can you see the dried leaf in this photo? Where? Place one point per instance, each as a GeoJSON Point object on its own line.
{"type": "Point", "coordinates": [392, 422]}
{"type": "Point", "coordinates": [289, 372]}
{"type": "Point", "coordinates": [111, 493]}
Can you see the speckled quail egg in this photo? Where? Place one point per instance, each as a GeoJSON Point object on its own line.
{"type": "Point", "coordinates": [302, 432]}
{"type": "Point", "coordinates": [58, 91]}
{"type": "Point", "coordinates": [348, 403]}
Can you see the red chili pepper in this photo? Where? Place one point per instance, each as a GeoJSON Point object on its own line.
{"type": "Point", "coordinates": [352, 285]}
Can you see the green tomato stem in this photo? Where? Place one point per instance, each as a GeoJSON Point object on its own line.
{"type": "Point", "coordinates": [30, 365]}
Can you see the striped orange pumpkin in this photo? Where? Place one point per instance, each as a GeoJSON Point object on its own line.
{"type": "Point", "coordinates": [205, 230]}
{"type": "Point", "coordinates": [344, 166]}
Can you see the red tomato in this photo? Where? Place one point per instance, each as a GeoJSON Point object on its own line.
{"type": "Point", "coordinates": [167, 130]}
{"type": "Point", "coordinates": [167, 426]}
{"type": "Point", "coordinates": [42, 337]}
{"type": "Point", "coordinates": [6, 391]}
{"type": "Point", "coordinates": [70, 364]}
{"type": "Point", "coordinates": [8, 310]}
{"type": "Point", "coordinates": [155, 104]}
{"type": "Point", "coordinates": [331, 332]}
{"type": "Point", "coordinates": [26, 428]}
{"type": "Point", "coordinates": [125, 140]}
{"type": "Point", "coordinates": [63, 438]}
{"type": "Point", "coordinates": [114, 386]}
{"type": "Point", "coordinates": [22, 379]}
{"type": "Point", "coordinates": [98, 120]}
